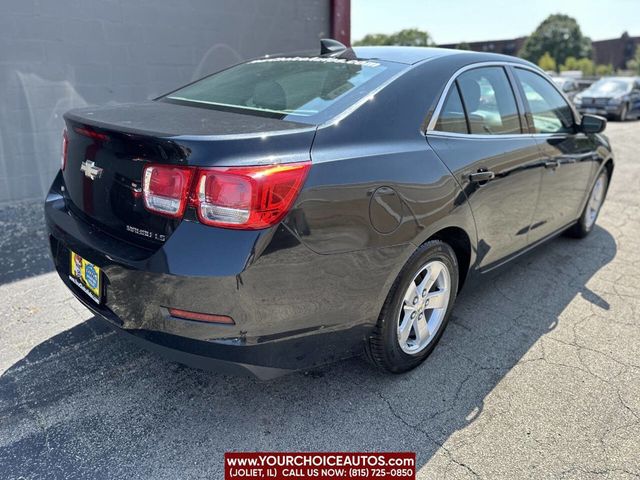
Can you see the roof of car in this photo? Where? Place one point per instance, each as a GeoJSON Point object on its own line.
{"type": "Point", "coordinates": [412, 55]}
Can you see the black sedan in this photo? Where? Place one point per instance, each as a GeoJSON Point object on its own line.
{"type": "Point", "coordinates": [613, 97]}
{"type": "Point", "coordinates": [291, 211]}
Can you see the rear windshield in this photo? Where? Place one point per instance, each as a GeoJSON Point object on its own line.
{"type": "Point", "coordinates": [282, 87]}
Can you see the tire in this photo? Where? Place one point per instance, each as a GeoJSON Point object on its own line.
{"type": "Point", "coordinates": [624, 113]}
{"type": "Point", "coordinates": [589, 215]}
{"type": "Point", "coordinates": [385, 348]}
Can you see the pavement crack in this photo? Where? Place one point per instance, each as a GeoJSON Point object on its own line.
{"type": "Point", "coordinates": [417, 428]}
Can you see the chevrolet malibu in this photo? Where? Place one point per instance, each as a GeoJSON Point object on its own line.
{"type": "Point", "coordinates": [296, 210]}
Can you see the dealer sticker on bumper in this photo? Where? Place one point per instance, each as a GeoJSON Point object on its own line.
{"type": "Point", "coordinates": [86, 276]}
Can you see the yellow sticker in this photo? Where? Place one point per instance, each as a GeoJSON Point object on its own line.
{"type": "Point", "coordinates": [87, 273]}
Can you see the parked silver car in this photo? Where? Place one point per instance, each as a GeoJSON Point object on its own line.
{"type": "Point", "coordinates": [568, 85]}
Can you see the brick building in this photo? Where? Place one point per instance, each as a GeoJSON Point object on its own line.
{"type": "Point", "coordinates": [508, 47]}
{"type": "Point", "coordinates": [615, 51]}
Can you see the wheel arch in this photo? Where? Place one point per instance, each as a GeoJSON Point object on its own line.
{"type": "Point", "coordinates": [458, 239]}
{"type": "Point", "coordinates": [609, 166]}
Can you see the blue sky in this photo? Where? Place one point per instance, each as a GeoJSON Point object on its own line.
{"type": "Point", "coordinates": [453, 21]}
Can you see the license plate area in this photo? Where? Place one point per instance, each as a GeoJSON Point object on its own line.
{"type": "Point", "coordinates": [86, 276]}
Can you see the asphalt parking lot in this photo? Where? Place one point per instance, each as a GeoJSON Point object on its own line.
{"type": "Point", "coordinates": [537, 376]}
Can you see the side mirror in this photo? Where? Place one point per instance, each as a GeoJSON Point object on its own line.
{"type": "Point", "coordinates": [593, 124]}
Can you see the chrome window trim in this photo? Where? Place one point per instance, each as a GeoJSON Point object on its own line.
{"type": "Point", "coordinates": [334, 121]}
{"type": "Point", "coordinates": [431, 126]}
{"type": "Point", "coordinates": [367, 98]}
{"type": "Point", "coordinates": [439, 133]}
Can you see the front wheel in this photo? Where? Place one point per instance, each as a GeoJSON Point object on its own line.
{"type": "Point", "coordinates": [587, 220]}
{"type": "Point", "coordinates": [623, 113]}
{"type": "Point", "coordinates": [416, 310]}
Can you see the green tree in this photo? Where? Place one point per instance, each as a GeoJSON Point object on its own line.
{"type": "Point", "coordinates": [408, 37]}
{"type": "Point", "coordinates": [585, 65]}
{"type": "Point", "coordinates": [571, 63]}
{"type": "Point", "coordinates": [602, 70]}
{"type": "Point", "coordinates": [374, 39]}
{"type": "Point", "coordinates": [463, 46]}
{"type": "Point", "coordinates": [413, 37]}
{"type": "Point", "coordinates": [634, 63]}
{"type": "Point", "coordinates": [547, 62]}
{"type": "Point", "coordinates": [560, 35]}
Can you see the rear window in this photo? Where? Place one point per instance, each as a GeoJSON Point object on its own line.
{"type": "Point", "coordinates": [287, 86]}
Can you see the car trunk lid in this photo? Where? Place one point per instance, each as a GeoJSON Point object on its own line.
{"type": "Point", "coordinates": [109, 147]}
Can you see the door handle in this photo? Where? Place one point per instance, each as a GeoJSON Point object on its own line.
{"type": "Point", "coordinates": [551, 164]}
{"type": "Point", "coordinates": [481, 176]}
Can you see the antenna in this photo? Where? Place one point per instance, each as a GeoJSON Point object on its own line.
{"type": "Point", "coordinates": [331, 46]}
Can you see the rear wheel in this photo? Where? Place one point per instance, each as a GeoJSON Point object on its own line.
{"type": "Point", "coordinates": [416, 310]}
{"type": "Point", "coordinates": [587, 220]}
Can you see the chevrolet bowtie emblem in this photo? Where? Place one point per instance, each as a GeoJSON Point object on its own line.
{"type": "Point", "coordinates": [90, 170]}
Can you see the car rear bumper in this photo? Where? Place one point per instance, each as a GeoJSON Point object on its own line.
{"type": "Point", "coordinates": [183, 350]}
{"type": "Point", "coordinates": [238, 359]}
{"type": "Point", "coordinates": [292, 308]}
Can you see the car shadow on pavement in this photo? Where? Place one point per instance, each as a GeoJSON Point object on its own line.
{"type": "Point", "coordinates": [87, 403]}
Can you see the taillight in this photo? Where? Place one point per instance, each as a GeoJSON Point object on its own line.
{"type": "Point", "coordinates": [165, 189]}
{"type": "Point", "coordinates": [247, 197]}
{"type": "Point", "coordinates": [65, 149]}
{"type": "Point", "coordinates": [232, 197]}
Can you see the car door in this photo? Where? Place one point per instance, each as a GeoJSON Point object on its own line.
{"type": "Point", "coordinates": [569, 156]}
{"type": "Point", "coordinates": [477, 131]}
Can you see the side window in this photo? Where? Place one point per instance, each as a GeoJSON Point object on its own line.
{"type": "Point", "coordinates": [452, 118]}
{"type": "Point", "coordinates": [551, 113]}
{"type": "Point", "coordinates": [489, 101]}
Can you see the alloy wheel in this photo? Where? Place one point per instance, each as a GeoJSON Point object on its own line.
{"type": "Point", "coordinates": [424, 307]}
{"type": "Point", "coordinates": [595, 200]}
{"type": "Point", "coordinates": [623, 114]}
